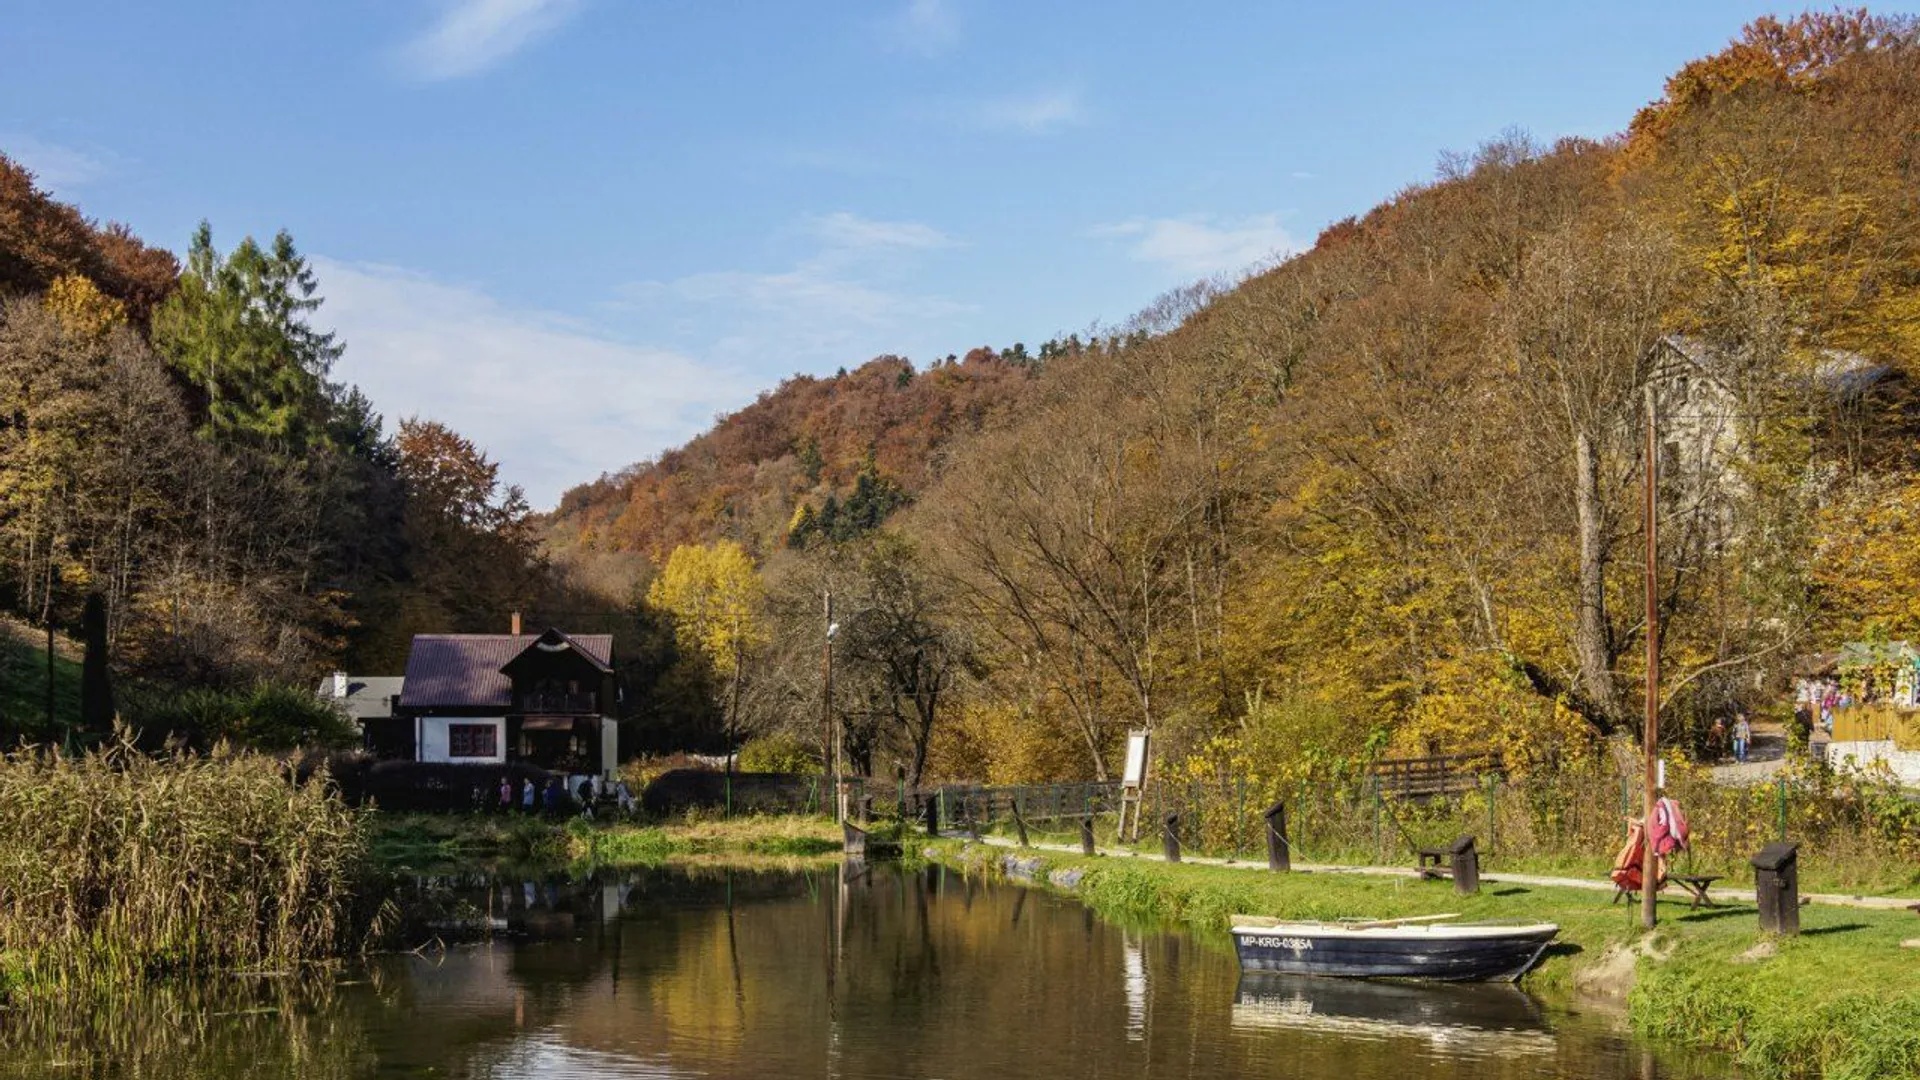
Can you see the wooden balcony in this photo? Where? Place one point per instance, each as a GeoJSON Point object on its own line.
{"type": "Point", "coordinates": [560, 704]}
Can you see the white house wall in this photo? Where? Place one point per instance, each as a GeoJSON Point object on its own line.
{"type": "Point", "coordinates": [1905, 764]}
{"type": "Point", "coordinates": [434, 741]}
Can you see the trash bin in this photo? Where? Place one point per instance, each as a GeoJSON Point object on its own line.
{"type": "Point", "coordinates": [1776, 885]}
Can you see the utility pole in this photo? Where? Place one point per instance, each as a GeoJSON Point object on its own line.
{"type": "Point", "coordinates": [1650, 740]}
{"type": "Point", "coordinates": [832, 729]}
{"type": "Point", "coordinates": [46, 616]}
{"type": "Point", "coordinates": [733, 713]}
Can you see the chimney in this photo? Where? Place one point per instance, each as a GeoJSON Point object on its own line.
{"type": "Point", "coordinates": [516, 624]}
{"type": "Point", "coordinates": [339, 684]}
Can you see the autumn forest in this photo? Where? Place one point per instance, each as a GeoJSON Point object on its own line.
{"type": "Point", "coordinates": [1380, 498]}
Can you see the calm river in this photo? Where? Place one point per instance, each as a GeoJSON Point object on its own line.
{"type": "Point", "coordinates": [711, 973]}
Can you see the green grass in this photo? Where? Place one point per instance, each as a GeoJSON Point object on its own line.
{"type": "Point", "coordinates": [23, 687]}
{"type": "Point", "coordinates": [435, 841]}
{"type": "Point", "coordinates": [1842, 1000]}
{"type": "Point", "coordinates": [760, 837]}
{"type": "Point", "coordinates": [1819, 871]}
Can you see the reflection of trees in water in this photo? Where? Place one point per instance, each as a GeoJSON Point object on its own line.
{"type": "Point", "coordinates": [299, 1028]}
{"type": "Point", "coordinates": [869, 973]}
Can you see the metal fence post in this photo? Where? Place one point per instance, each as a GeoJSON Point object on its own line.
{"type": "Point", "coordinates": [1783, 809]}
{"type": "Point", "coordinates": [1493, 787]}
{"type": "Point", "coordinates": [1377, 808]}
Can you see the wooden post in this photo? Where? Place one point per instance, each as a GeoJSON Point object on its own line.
{"type": "Point", "coordinates": [1776, 883]}
{"type": "Point", "coordinates": [1466, 866]}
{"type": "Point", "coordinates": [1086, 835]}
{"type": "Point", "coordinates": [1650, 740]}
{"type": "Point", "coordinates": [1279, 851]}
{"type": "Point", "coordinates": [933, 815]}
{"type": "Point", "coordinates": [1170, 837]}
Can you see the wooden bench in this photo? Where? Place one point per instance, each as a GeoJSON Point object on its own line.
{"type": "Point", "coordinates": [1697, 886]}
{"type": "Point", "coordinates": [1458, 860]}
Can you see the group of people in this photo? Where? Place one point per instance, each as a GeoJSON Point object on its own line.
{"type": "Point", "coordinates": [1741, 733]}
{"type": "Point", "coordinates": [553, 797]}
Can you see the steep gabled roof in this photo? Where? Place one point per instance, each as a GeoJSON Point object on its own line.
{"type": "Point", "coordinates": [467, 670]}
{"type": "Point", "coordinates": [553, 643]}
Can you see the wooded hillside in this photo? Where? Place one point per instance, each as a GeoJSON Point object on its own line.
{"type": "Point", "coordinates": [1383, 497]}
{"type": "Point", "coordinates": [171, 440]}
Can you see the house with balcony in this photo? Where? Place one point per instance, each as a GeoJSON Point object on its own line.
{"type": "Point", "coordinates": [547, 699]}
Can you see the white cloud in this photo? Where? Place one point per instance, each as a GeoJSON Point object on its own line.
{"type": "Point", "coordinates": [473, 35]}
{"type": "Point", "coordinates": [924, 27]}
{"type": "Point", "coordinates": [555, 403]}
{"type": "Point", "coordinates": [1201, 246]}
{"type": "Point", "coordinates": [55, 167]}
{"type": "Point", "coordinates": [846, 231]}
{"type": "Point", "coordinates": [841, 304]}
{"type": "Point", "coordinates": [1037, 113]}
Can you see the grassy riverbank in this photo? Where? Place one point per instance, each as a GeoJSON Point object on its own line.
{"type": "Point", "coordinates": [1840, 1001]}
{"type": "Point", "coordinates": [432, 841]}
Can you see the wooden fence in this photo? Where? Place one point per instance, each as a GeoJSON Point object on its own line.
{"type": "Point", "coordinates": [1428, 777]}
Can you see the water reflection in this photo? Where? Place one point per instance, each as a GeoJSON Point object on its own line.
{"type": "Point", "coordinates": [844, 972]}
{"type": "Point", "coordinates": [1471, 1017]}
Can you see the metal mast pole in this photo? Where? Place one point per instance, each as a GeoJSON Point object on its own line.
{"type": "Point", "coordinates": [826, 703]}
{"type": "Point", "coordinates": [1651, 739]}
{"type": "Point", "coordinates": [733, 713]}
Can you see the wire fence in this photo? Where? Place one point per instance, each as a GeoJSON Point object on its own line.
{"type": "Point", "coordinates": [1857, 831]}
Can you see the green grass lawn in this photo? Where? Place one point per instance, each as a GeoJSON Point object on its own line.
{"type": "Point", "coordinates": [435, 841]}
{"type": "Point", "coordinates": [1818, 874]}
{"type": "Point", "coordinates": [1841, 1000]}
{"type": "Point", "coordinates": [23, 687]}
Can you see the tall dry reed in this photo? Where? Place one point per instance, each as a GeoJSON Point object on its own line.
{"type": "Point", "coordinates": [117, 865]}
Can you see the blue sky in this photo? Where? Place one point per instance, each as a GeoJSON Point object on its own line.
{"type": "Point", "coordinates": [576, 230]}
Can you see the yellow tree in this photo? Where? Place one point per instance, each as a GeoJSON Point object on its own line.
{"type": "Point", "coordinates": [713, 592]}
{"type": "Point", "coordinates": [85, 311]}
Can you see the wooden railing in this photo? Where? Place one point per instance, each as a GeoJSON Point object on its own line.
{"type": "Point", "coordinates": [559, 703]}
{"type": "Point", "coordinates": [1427, 777]}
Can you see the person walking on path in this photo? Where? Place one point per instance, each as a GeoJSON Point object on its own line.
{"type": "Point", "coordinates": [1742, 737]}
{"type": "Point", "coordinates": [526, 797]}
{"type": "Point", "coordinates": [1717, 739]}
{"type": "Point", "coordinates": [506, 794]}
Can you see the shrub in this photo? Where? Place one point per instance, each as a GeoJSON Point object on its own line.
{"type": "Point", "coordinates": [778, 754]}
{"type": "Point", "coordinates": [267, 717]}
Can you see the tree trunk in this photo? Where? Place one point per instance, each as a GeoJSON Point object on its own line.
{"type": "Point", "coordinates": [1592, 633]}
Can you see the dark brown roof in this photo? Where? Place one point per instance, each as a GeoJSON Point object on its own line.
{"type": "Point", "coordinates": [464, 669]}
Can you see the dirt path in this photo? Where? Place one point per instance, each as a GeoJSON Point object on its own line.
{"type": "Point", "coordinates": [1767, 755]}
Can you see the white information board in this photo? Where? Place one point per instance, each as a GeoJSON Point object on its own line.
{"type": "Point", "coordinates": [1135, 774]}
